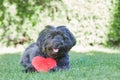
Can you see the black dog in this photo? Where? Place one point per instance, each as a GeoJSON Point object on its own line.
{"type": "Point", "coordinates": [54, 42]}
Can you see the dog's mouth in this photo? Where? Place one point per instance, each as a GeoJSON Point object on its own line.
{"type": "Point", "coordinates": [55, 53]}
{"type": "Point", "coordinates": [55, 50]}
{"type": "Point", "coordinates": [52, 50]}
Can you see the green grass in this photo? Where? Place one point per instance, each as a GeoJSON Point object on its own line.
{"type": "Point", "coordinates": [91, 65]}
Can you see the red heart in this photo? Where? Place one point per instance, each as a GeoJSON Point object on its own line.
{"type": "Point", "coordinates": [43, 64]}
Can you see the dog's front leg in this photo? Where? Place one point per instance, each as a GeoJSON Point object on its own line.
{"type": "Point", "coordinates": [62, 64]}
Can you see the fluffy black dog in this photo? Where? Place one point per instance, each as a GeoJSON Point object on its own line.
{"type": "Point", "coordinates": [54, 42]}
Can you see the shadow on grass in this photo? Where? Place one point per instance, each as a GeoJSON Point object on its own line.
{"type": "Point", "coordinates": [93, 59]}
{"type": "Point", "coordinates": [98, 55]}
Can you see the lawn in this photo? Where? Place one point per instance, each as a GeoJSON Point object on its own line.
{"type": "Point", "coordinates": [92, 65]}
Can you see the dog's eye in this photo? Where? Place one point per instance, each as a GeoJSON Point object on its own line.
{"type": "Point", "coordinates": [49, 49]}
{"type": "Point", "coordinates": [49, 36]}
{"type": "Point", "coordinates": [66, 38]}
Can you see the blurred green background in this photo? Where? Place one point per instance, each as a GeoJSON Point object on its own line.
{"type": "Point", "coordinates": [93, 22]}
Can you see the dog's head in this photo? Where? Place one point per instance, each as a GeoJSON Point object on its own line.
{"type": "Point", "coordinates": [56, 41]}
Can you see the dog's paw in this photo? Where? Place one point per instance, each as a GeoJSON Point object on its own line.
{"type": "Point", "coordinates": [28, 70]}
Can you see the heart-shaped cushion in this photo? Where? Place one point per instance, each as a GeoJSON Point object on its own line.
{"type": "Point", "coordinates": [42, 64]}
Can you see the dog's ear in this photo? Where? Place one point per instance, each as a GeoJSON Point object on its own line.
{"type": "Point", "coordinates": [71, 39]}
{"type": "Point", "coordinates": [42, 36]}
{"type": "Point", "coordinates": [40, 40]}
{"type": "Point", "coordinates": [49, 27]}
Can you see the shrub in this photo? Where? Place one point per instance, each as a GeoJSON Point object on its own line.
{"type": "Point", "coordinates": [89, 20]}
{"type": "Point", "coordinates": [114, 33]}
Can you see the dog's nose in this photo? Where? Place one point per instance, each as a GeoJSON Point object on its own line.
{"type": "Point", "coordinates": [58, 43]}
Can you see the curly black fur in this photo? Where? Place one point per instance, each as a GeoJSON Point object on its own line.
{"type": "Point", "coordinates": [54, 42]}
